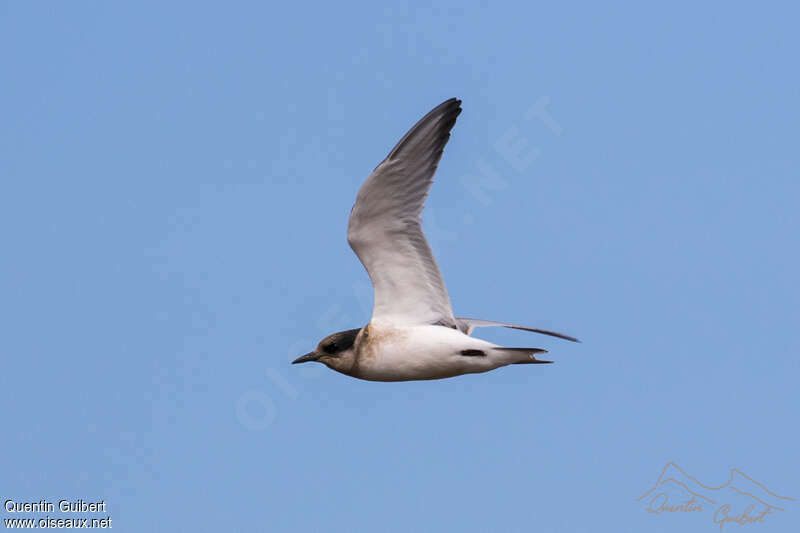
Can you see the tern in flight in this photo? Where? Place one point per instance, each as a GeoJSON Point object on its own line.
{"type": "Point", "coordinates": [413, 334]}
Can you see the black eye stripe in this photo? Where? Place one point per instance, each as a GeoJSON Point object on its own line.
{"type": "Point", "coordinates": [338, 342]}
{"type": "Point", "coordinates": [330, 347]}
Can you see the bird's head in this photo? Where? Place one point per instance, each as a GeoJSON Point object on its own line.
{"type": "Point", "coordinates": [337, 351]}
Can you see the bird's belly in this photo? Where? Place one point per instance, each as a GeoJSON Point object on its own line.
{"type": "Point", "coordinates": [420, 354]}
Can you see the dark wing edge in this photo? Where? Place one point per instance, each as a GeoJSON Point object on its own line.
{"type": "Point", "coordinates": [407, 173]}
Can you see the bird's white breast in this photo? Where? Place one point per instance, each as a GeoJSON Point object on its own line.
{"type": "Point", "coordinates": [398, 353]}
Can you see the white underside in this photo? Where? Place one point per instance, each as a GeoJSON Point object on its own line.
{"type": "Point", "coordinates": [402, 353]}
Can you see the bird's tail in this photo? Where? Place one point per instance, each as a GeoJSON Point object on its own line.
{"type": "Point", "coordinates": [523, 356]}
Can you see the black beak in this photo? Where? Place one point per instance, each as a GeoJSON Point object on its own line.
{"type": "Point", "coordinates": [310, 356]}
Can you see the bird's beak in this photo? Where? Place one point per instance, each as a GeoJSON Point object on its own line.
{"type": "Point", "coordinates": [310, 356]}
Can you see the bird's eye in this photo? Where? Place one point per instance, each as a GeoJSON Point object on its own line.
{"type": "Point", "coordinates": [329, 348]}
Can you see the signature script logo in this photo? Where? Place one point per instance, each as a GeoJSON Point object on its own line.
{"type": "Point", "coordinates": [741, 500]}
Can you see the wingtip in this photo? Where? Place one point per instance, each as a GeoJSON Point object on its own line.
{"type": "Point", "coordinates": [544, 332]}
{"type": "Point", "coordinates": [454, 104]}
{"type": "Point", "coordinates": [443, 117]}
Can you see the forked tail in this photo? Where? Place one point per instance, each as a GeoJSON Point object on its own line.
{"type": "Point", "coordinates": [524, 356]}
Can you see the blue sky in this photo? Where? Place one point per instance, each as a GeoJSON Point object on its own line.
{"type": "Point", "coordinates": [176, 185]}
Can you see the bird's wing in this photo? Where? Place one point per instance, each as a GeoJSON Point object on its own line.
{"type": "Point", "coordinates": [468, 325]}
{"type": "Point", "coordinates": [385, 229]}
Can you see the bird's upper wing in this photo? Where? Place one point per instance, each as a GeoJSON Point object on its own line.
{"type": "Point", "coordinates": [385, 229]}
{"type": "Point", "coordinates": [468, 325]}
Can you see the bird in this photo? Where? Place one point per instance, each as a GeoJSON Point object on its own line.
{"type": "Point", "coordinates": [413, 333]}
